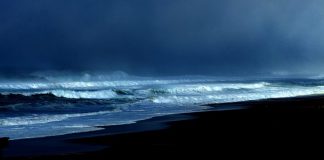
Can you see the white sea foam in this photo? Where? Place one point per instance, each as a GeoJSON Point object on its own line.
{"type": "Point", "coordinates": [264, 93]}
{"type": "Point", "coordinates": [103, 94]}
{"type": "Point", "coordinates": [86, 85]}
{"type": "Point", "coordinates": [207, 88]}
{"type": "Point", "coordinates": [44, 118]}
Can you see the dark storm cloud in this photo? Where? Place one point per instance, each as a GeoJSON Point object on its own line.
{"type": "Point", "coordinates": [163, 36]}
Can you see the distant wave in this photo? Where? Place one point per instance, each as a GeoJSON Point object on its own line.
{"type": "Point", "coordinates": [86, 85]}
{"type": "Point", "coordinates": [82, 76]}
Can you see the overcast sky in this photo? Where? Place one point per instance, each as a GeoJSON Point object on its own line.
{"type": "Point", "coordinates": [216, 37]}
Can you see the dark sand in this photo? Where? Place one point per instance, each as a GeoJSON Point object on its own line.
{"type": "Point", "coordinates": [259, 128]}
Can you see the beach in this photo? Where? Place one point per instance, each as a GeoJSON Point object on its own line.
{"type": "Point", "coordinates": [168, 79]}
{"type": "Point", "coordinates": [265, 126]}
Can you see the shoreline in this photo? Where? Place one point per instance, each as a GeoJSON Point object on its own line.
{"type": "Point", "coordinates": [284, 122]}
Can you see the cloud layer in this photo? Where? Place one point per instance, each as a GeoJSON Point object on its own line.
{"type": "Point", "coordinates": [217, 37]}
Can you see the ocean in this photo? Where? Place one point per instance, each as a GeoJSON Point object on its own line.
{"type": "Point", "coordinates": [59, 104]}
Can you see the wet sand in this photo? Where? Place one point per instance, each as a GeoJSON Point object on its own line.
{"type": "Point", "coordinates": [265, 127]}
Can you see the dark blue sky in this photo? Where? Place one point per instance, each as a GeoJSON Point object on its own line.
{"type": "Point", "coordinates": [218, 37]}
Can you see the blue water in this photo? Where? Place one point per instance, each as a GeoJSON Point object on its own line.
{"type": "Point", "coordinates": [64, 104]}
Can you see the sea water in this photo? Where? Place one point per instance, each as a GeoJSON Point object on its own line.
{"type": "Point", "coordinates": [65, 104]}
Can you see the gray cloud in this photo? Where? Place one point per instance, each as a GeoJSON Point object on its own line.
{"type": "Point", "coordinates": [218, 37]}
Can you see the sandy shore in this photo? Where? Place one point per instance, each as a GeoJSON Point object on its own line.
{"type": "Point", "coordinates": [266, 127]}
